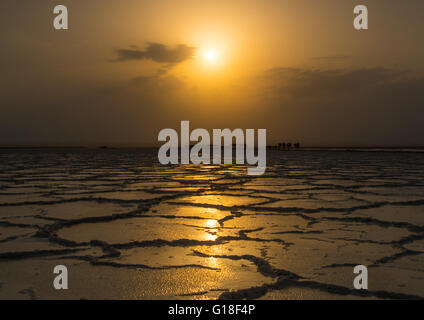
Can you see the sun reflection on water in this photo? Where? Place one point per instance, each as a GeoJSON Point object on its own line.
{"type": "Point", "coordinates": [212, 226]}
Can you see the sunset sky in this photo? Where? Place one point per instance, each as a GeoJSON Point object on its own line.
{"type": "Point", "coordinates": [127, 69]}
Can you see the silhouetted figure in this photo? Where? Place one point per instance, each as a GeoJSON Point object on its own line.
{"type": "Point", "coordinates": [289, 145]}
{"type": "Point", "coordinates": [297, 145]}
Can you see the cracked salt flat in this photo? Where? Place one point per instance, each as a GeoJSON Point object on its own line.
{"type": "Point", "coordinates": [209, 232]}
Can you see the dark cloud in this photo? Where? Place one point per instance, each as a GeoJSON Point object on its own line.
{"type": "Point", "coordinates": [157, 52]}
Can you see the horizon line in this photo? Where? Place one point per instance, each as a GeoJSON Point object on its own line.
{"type": "Point", "coordinates": [40, 146]}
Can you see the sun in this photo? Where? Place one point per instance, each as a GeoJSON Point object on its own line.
{"type": "Point", "coordinates": [211, 59]}
{"type": "Point", "coordinates": [211, 55]}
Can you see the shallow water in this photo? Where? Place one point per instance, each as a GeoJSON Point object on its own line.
{"type": "Point", "coordinates": [128, 228]}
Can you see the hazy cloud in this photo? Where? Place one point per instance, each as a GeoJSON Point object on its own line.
{"type": "Point", "coordinates": [331, 82]}
{"type": "Point", "coordinates": [157, 52]}
{"type": "Point", "coordinates": [331, 58]}
{"type": "Point", "coordinates": [377, 106]}
{"type": "Point", "coordinates": [157, 81]}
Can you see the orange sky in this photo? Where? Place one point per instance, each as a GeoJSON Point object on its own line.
{"type": "Point", "coordinates": [296, 68]}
